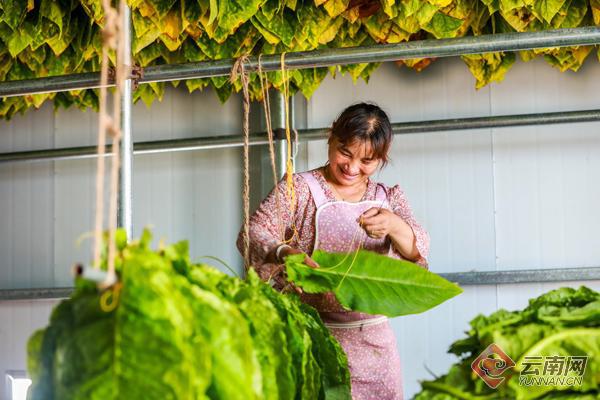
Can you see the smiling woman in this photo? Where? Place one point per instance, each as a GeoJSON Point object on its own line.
{"type": "Point", "coordinates": [338, 208]}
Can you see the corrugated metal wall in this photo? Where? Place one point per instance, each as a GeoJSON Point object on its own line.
{"type": "Point", "coordinates": [495, 199]}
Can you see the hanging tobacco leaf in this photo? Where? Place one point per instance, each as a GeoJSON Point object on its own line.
{"type": "Point", "coordinates": [30, 30]}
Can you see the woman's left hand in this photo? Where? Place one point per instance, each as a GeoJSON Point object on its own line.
{"type": "Point", "coordinates": [379, 222]}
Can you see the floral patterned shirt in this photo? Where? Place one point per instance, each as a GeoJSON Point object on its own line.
{"type": "Point", "coordinates": [266, 223]}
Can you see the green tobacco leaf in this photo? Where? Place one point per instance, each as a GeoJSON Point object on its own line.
{"type": "Point", "coordinates": [561, 323]}
{"type": "Point", "coordinates": [161, 7]}
{"type": "Point", "coordinates": [214, 11]}
{"type": "Point", "coordinates": [232, 14]}
{"type": "Point", "coordinates": [18, 42]}
{"type": "Point", "coordinates": [267, 332]}
{"type": "Point", "coordinates": [311, 79]}
{"type": "Point", "coordinates": [52, 11]}
{"type": "Point", "coordinates": [566, 343]}
{"type": "Point", "coordinates": [489, 67]}
{"type": "Point", "coordinates": [372, 283]}
{"type": "Point", "coordinates": [547, 9]}
{"type": "Point", "coordinates": [574, 14]}
{"type": "Point", "coordinates": [93, 8]}
{"type": "Point", "coordinates": [13, 13]}
{"type": "Point", "coordinates": [443, 26]}
{"type": "Point", "coordinates": [279, 27]}
{"type": "Point", "coordinates": [305, 366]}
{"type": "Point", "coordinates": [330, 355]}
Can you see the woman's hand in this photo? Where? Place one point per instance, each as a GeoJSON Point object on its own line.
{"type": "Point", "coordinates": [381, 222]}
{"type": "Point", "coordinates": [290, 250]}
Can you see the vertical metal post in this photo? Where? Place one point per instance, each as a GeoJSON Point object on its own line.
{"type": "Point", "coordinates": [124, 213]}
{"type": "Point", "coordinates": [278, 124]}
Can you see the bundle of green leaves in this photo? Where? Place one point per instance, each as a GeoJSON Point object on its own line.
{"type": "Point", "coordinates": [184, 331]}
{"type": "Point", "coordinates": [561, 323]}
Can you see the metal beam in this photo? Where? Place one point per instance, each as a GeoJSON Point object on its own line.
{"type": "Point", "coordinates": [225, 141]}
{"type": "Point", "coordinates": [469, 278]}
{"type": "Point", "coordinates": [327, 57]}
{"type": "Point", "coordinates": [524, 276]}
{"type": "Point", "coordinates": [35, 293]}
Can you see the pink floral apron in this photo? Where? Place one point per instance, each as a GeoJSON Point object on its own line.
{"type": "Point", "coordinates": [368, 340]}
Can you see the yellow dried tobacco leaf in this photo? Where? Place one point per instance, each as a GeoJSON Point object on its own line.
{"type": "Point", "coordinates": [146, 9]}
{"type": "Point", "coordinates": [418, 64]}
{"type": "Point", "coordinates": [194, 31]}
{"type": "Point", "coordinates": [36, 100]}
{"type": "Point", "coordinates": [568, 58]}
{"type": "Point", "coordinates": [172, 44]}
{"type": "Point", "coordinates": [397, 35]}
{"type": "Point", "coordinates": [172, 24]}
{"type": "Point", "coordinates": [595, 6]}
{"type": "Point", "coordinates": [352, 14]}
{"type": "Point", "coordinates": [336, 7]}
{"type": "Point", "coordinates": [518, 18]}
{"type": "Point", "coordinates": [329, 34]}
{"type": "Point", "coordinates": [389, 8]}
{"type": "Point", "coordinates": [489, 67]}
{"type": "Point", "coordinates": [440, 3]}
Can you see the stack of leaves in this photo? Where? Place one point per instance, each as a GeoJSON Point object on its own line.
{"type": "Point", "coordinates": [46, 38]}
{"type": "Point", "coordinates": [371, 283]}
{"type": "Point", "coordinates": [184, 331]}
{"type": "Point", "coordinates": [561, 323]}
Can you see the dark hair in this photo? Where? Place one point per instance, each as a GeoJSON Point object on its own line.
{"type": "Point", "coordinates": [364, 122]}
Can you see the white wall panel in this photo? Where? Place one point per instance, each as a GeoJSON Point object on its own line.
{"type": "Point", "coordinates": [547, 213]}
{"type": "Point", "coordinates": [25, 258]}
{"type": "Point", "coordinates": [18, 320]}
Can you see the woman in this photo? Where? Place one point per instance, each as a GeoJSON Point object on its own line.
{"type": "Point", "coordinates": [338, 208]}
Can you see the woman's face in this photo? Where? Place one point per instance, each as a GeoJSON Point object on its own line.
{"type": "Point", "coordinates": [353, 163]}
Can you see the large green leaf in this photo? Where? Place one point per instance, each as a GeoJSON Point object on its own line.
{"type": "Point", "coordinates": [566, 343]}
{"type": "Point", "coordinates": [560, 323]}
{"type": "Point", "coordinates": [372, 283]}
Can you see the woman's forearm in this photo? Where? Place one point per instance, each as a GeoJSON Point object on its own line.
{"type": "Point", "coordinates": [404, 240]}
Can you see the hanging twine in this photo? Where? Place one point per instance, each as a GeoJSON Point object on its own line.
{"type": "Point", "coordinates": [291, 192]}
{"type": "Point", "coordinates": [264, 86]}
{"type": "Point", "coordinates": [112, 39]}
{"type": "Point", "coordinates": [238, 68]}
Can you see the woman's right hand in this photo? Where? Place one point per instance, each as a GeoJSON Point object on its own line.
{"type": "Point", "coordinates": [290, 250]}
{"type": "Point", "coordinates": [286, 251]}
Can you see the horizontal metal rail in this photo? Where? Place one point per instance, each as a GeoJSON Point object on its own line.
{"type": "Point", "coordinates": [431, 48]}
{"type": "Point", "coordinates": [468, 278]}
{"type": "Point", "coordinates": [35, 293]}
{"type": "Point", "coordinates": [524, 276]}
{"type": "Point", "coordinates": [219, 142]}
